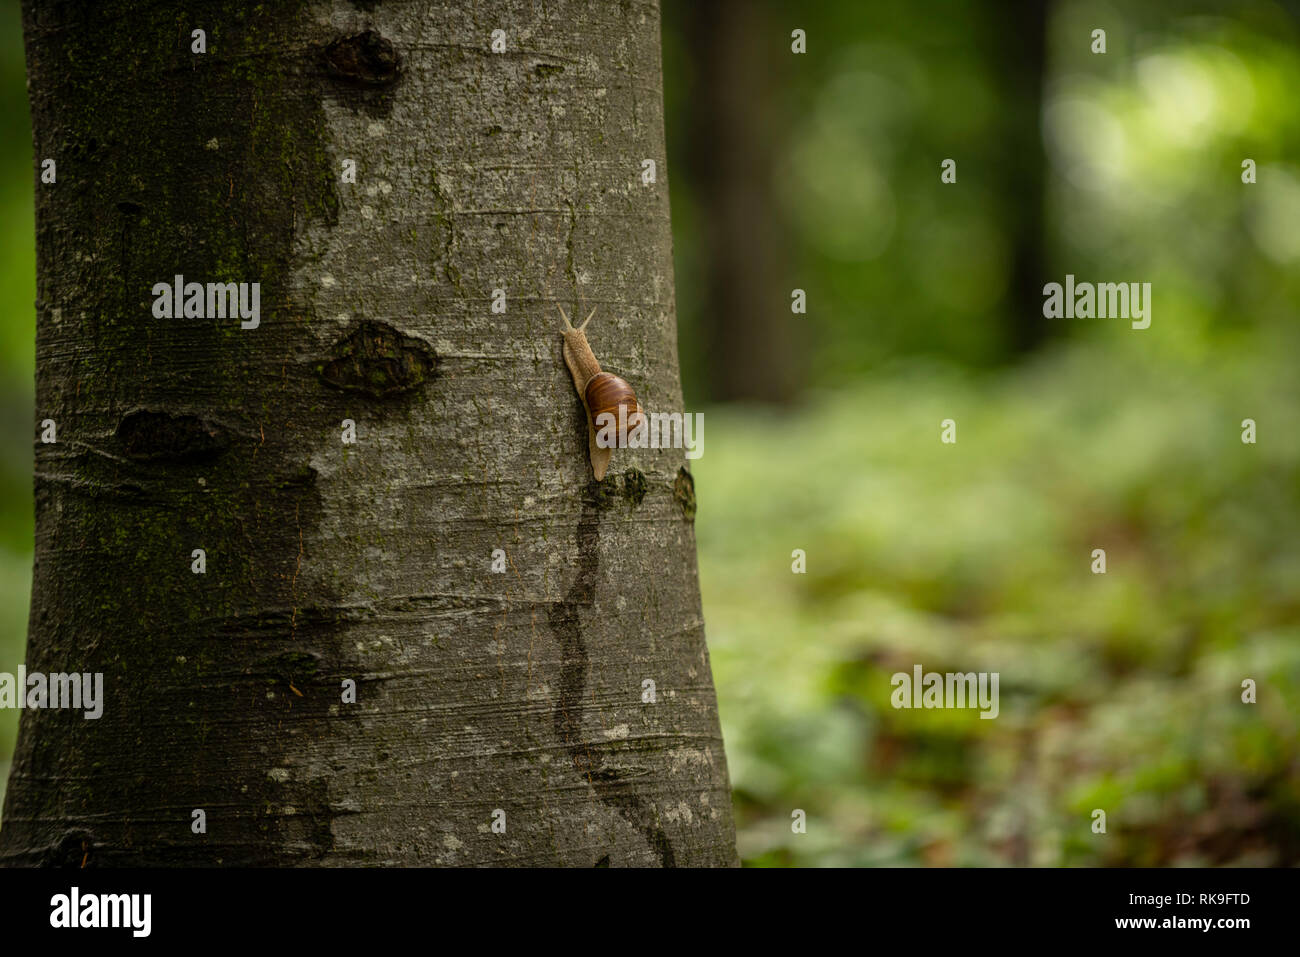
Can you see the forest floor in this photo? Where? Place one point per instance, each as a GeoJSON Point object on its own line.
{"type": "Point", "coordinates": [1119, 692]}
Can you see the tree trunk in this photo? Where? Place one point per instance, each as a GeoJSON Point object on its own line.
{"type": "Point", "coordinates": [1018, 63]}
{"type": "Point", "coordinates": [754, 345]}
{"type": "Point", "coordinates": [477, 693]}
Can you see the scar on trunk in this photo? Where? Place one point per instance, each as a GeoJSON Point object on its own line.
{"type": "Point", "coordinates": [378, 360]}
{"type": "Point", "coordinates": [684, 493]}
{"type": "Point", "coordinates": [148, 435]}
{"type": "Point", "coordinates": [612, 785]}
{"type": "Point", "coordinates": [365, 58]}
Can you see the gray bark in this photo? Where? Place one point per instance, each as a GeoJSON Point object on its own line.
{"type": "Point", "coordinates": [476, 691]}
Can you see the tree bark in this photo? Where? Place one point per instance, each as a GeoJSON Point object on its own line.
{"type": "Point", "coordinates": [477, 692]}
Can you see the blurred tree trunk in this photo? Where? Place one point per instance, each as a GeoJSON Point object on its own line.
{"type": "Point", "coordinates": [1018, 65]}
{"type": "Point", "coordinates": [752, 339]}
{"type": "Point", "coordinates": [525, 692]}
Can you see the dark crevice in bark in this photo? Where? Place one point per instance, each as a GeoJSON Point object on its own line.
{"type": "Point", "coordinates": [609, 784]}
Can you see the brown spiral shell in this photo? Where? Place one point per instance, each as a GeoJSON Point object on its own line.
{"type": "Point", "coordinates": [605, 393]}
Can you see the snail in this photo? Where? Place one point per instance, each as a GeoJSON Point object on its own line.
{"type": "Point", "coordinates": [602, 393]}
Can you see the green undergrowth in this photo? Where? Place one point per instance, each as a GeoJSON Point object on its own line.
{"type": "Point", "coordinates": [1118, 691]}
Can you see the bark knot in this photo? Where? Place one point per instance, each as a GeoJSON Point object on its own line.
{"type": "Point", "coordinates": [378, 360]}
{"type": "Point", "coordinates": [684, 493]}
{"type": "Point", "coordinates": [147, 435]}
{"type": "Point", "coordinates": [365, 58]}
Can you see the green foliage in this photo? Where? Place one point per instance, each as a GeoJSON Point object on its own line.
{"type": "Point", "coordinates": [1137, 152]}
{"type": "Point", "coordinates": [1118, 691]}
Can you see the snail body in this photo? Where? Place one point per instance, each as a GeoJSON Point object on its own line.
{"type": "Point", "coordinates": [602, 393]}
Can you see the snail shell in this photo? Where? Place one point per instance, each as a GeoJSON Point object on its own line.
{"type": "Point", "coordinates": [608, 393]}
{"type": "Point", "coordinates": [601, 393]}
